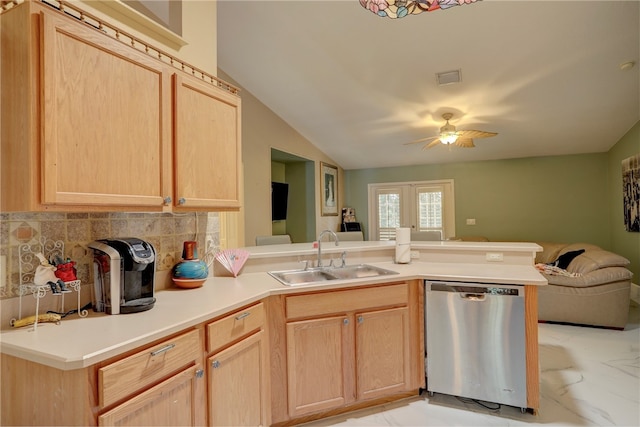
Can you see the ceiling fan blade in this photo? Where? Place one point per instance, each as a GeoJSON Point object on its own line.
{"type": "Point", "coordinates": [475, 134]}
{"type": "Point", "coordinates": [420, 140]}
{"type": "Point", "coordinates": [464, 142]}
{"type": "Point", "coordinates": [432, 144]}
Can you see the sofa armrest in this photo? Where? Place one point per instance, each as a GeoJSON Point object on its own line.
{"type": "Point", "coordinates": [593, 260]}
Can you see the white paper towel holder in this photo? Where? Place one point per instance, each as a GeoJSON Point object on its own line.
{"type": "Point", "coordinates": [403, 246]}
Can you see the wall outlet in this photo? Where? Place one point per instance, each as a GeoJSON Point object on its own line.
{"type": "Point", "coordinates": [471, 221]}
{"type": "Point", "coordinates": [415, 254]}
{"type": "Point", "coordinates": [495, 256]}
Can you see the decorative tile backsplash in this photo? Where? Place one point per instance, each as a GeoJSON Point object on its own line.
{"type": "Point", "coordinates": [165, 231]}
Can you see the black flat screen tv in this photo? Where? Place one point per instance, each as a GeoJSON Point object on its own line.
{"type": "Point", "coordinates": [279, 196]}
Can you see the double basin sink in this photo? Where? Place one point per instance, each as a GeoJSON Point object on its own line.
{"type": "Point", "coordinates": [324, 274]}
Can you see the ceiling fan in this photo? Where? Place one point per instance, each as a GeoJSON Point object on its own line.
{"type": "Point", "coordinates": [449, 136]}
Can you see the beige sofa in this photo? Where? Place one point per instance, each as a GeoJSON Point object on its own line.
{"type": "Point", "coordinates": [597, 295]}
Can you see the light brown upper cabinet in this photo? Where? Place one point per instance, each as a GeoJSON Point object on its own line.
{"type": "Point", "coordinates": [206, 145]}
{"type": "Point", "coordinates": [92, 123]}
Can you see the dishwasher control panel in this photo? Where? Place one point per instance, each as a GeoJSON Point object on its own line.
{"type": "Point", "coordinates": [475, 288]}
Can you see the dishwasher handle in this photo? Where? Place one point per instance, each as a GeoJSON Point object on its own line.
{"type": "Point", "coordinates": [473, 297]}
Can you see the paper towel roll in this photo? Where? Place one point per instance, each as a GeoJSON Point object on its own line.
{"type": "Point", "coordinates": [403, 245]}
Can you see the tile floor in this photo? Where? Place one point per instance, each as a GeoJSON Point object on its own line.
{"type": "Point", "coordinates": [589, 377]}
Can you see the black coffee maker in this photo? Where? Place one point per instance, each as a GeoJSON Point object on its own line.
{"type": "Point", "coordinates": [124, 275]}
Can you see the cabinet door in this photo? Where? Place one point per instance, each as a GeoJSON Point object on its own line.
{"type": "Point", "coordinates": [173, 402]}
{"type": "Point", "coordinates": [106, 120]}
{"type": "Point", "coordinates": [207, 145]}
{"type": "Point", "coordinates": [239, 384]}
{"type": "Point", "coordinates": [382, 349]}
{"type": "Point", "coordinates": [319, 364]}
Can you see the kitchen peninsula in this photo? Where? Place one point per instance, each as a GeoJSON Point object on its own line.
{"type": "Point", "coordinates": [253, 333]}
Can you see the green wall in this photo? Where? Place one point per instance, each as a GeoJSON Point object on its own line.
{"type": "Point", "coordinates": [574, 198]}
{"type": "Point", "coordinates": [544, 199]}
{"type": "Point", "coordinates": [300, 223]}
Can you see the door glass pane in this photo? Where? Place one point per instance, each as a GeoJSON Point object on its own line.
{"type": "Point", "coordinates": [388, 215]}
{"type": "Point", "coordinates": [430, 210]}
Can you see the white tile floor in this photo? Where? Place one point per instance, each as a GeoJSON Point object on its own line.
{"type": "Point", "coordinates": [589, 377]}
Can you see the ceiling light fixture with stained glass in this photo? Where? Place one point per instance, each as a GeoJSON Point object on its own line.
{"type": "Point", "coordinates": [400, 8]}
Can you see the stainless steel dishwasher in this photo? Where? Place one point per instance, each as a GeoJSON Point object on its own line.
{"type": "Point", "coordinates": [475, 341]}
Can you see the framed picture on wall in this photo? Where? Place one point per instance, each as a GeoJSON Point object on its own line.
{"type": "Point", "coordinates": [328, 189]}
{"type": "Point", "coordinates": [631, 192]}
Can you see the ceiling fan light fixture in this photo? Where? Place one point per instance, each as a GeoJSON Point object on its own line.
{"type": "Point", "coordinates": [448, 137]}
{"type": "Point", "coordinates": [448, 134]}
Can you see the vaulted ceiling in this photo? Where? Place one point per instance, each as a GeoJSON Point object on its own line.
{"type": "Point", "coordinates": [545, 75]}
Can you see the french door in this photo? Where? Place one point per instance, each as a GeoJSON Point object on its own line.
{"type": "Point", "coordinates": [422, 206]}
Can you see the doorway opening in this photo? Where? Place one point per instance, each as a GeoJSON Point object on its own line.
{"type": "Point", "coordinates": [299, 175]}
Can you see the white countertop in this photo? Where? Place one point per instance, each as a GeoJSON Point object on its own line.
{"type": "Point", "coordinates": [76, 343]}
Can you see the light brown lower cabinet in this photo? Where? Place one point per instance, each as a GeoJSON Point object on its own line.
{"type": "Point", "coordinates": [382, 352]}
{"type": "Point", "coordinates": [236, 382]}
{"type": "Point", "coordinates": [238, 391]}
{"type": "Point", "coordinates": [319, 365]}
{"type": "Point", "coordinates": [173, 402]}
{"type": "Point", "coordinates": [281, 359]}
{"type": "Point", "coordinates": [336, 360]}
{"type": "Point", "coordinates": [161, 384]}
{"type": "Point", "coordinates": [346, 347]}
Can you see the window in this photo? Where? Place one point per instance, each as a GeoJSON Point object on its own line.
{"type": "Point", "coordinates": [388, 209]}
{"type": "Point", "coordinates": [422, 206]}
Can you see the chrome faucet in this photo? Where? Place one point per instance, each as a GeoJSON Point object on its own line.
{"type": "Point", "coordinates": [335, 237]}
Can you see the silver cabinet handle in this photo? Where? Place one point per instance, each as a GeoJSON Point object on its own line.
{"type": "Point", "coordinates": [199, 373]}
{"type": "Point", "coordinates": [360, 319]}
{"type": "Point", "coordinates": [243, 315]}
{"type": "Point", "coordinates": [345, 321]}
{"type": "Point", "coordinates": [182, 201]}
{"type": "Point", "coordinates": [215, 364]}
{"type": "Point", "coordinates": [162, 349]}
{"type": "Point", "coordinates": [167, 200]}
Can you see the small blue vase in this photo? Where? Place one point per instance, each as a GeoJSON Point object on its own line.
{"type": "Point", "coordinates": [190, 267]}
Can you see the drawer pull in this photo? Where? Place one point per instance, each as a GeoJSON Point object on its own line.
{"type": "Point", "coordinates": [199, 373]}
{"type": "Point", "coordinates": [243, 315]}
{"type": "Point", "coordinates": [162, 349]}
{"type": "Point", "coordinates": [215, 364]}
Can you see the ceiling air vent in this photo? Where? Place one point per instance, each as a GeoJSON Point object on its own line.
{"type": "Point", "coordinates": [448, 77]}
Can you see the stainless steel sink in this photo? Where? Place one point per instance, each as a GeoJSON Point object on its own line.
{"type": "Point", "coordinates": [359, 271]}
{"type": "Point", "coordinates": [299, 277]}
{"type": "Point", "coordinates": [319, 275]}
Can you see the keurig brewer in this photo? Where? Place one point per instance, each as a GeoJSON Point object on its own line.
{"type": "Point", "coordinates": [124, 275]}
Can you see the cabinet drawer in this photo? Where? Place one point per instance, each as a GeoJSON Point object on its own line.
{"type": "Point", "coordinates": [234, 326]}
{"type": "Point", "coordinates": [126, 376]}
{"type": "Point", "coordinates": [310, 305]}
{"type": "Point", "coordinates": [169, 403]}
